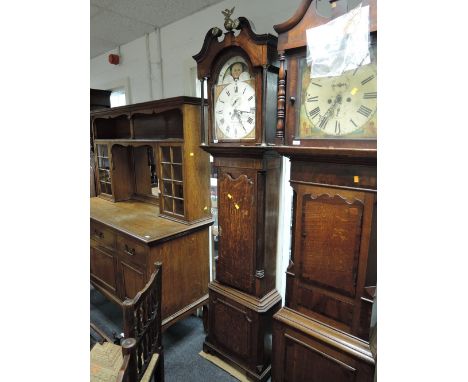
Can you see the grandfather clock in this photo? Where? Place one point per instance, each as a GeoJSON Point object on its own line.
{"type": "Point", "coordinates": [241, 79]}
{"type": "Point", "coordinates": [327, 126]}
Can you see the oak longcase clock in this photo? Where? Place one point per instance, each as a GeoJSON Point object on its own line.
{"type": "Point", "coordinates": [241, 75]}
{"type": "Point", "coordinates": [327, 126]}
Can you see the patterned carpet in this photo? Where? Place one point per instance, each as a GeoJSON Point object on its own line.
{"type": "Point", "coordinates": [182, 342]}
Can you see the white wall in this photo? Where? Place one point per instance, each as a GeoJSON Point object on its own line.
{"type": "Point", "coordinates": [179, 42]}
{"type": "Point", "coordinates": [151, 73]}
{"type": "Point", "coordinates": [184, 38]}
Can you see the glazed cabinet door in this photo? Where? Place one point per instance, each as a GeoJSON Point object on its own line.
{"type": "Point", "coordinates": [237, 226]}
{"type": "Point", "coordinates": [104, 177]}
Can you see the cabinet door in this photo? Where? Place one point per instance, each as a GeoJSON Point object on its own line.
{"type": "Point", "coordinates": [132, 279]}
{"type": "Point", "coordinates": [103, 162]}
{"type": "Point", "coordinates": [103, 269]}
{"type": "Point", "coordinates": [237, 222]}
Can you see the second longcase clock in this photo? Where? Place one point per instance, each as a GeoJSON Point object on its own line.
{"type": "Point", "coordinates": [328, 127]}
{"type": "Point", "coordinates": [241, 78]}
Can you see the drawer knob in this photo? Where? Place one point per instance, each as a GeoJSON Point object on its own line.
{"type": "Point", "coordinates": [98, 234]}
{"type": "Point", "coordinates": [129, 251]}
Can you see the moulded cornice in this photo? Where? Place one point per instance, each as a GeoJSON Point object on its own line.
{"type": "Point", "coordinates": [212, 46]}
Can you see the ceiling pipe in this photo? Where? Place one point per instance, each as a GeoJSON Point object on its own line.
{"type": "Point", "coordinates": [148, 58]}
{"type": "Point", "coordinates": [159, 60]}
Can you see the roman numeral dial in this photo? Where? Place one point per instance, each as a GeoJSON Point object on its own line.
{"type": "Point", "coordinates": [342, 106]}
{"type": "Point", "coordinates": [234, 111]}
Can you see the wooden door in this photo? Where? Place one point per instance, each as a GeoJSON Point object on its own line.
{"type": "Point", "coordinates": [132, 279]}
{"type": "Point", "coordinates": [103, 269]}
{"type": "Point", "coordinates": [333, 229]}
{"type": "Point", "coordinates": [237, 224]}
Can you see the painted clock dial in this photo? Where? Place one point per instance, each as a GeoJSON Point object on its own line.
{"type": "Point", "coordinates": [340, 107]}
{"type": "Point", "coordinates": [234, 108]}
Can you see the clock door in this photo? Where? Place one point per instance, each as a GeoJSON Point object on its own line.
{"type": "Point", "coordinates": [331, 253]}
{"type": "Point", "coordinates": [237, 217]}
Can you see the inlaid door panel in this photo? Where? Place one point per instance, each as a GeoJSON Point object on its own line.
{"type": "Point", "coordinates": [237, 217]}
{"type": "Point", "coordinates": [330, 241]}
{"type": "Point", "coordinates": [103, 268]}
{"type": "Point", "coordinates": [332, 231]}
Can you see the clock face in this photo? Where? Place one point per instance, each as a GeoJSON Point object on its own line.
{"type": "Point", "coordinates": [235, 110]}
{"type": "Point", "coordinates": [234, 107]}
{"type": "Point", "coordinates": [340, 107]}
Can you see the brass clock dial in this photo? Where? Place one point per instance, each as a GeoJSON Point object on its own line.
{"type": "Point", "coordinates": [339, 106]}
{"type": "Point", "coordinates": [343, 106]}
{"type": "Point", "coordinates": [234, 107]}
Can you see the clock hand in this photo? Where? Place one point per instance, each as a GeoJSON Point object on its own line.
{"type": "Point", "coordinates": [236, 113]}
{"type": "Point", "coordinates": [338, 112]}
{"type": "Point", "coordinates": [331, 109]}
{"type": "Point", "coordinates": [323, 119]}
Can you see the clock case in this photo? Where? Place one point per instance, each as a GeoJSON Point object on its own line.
{"type": "Point", "coordinates": [323, 331]}
{"type": "Point", "coordinates": [243, 298]}
{"type": "Point", "coordinates": [259, 51]}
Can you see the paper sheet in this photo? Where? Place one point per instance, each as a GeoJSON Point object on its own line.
{"type": "Point", "coordinates": [340, 45]}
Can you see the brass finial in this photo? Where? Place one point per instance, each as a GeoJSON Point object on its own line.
{"type": "Point", "coordinates": [215, 31]}
{"type": "Point", "coordinates": [229, 23]}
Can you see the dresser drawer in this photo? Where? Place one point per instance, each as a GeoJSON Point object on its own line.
{"type": "Point", "coordinates": [131, 250]}
{"type": "Point", "coordinates": [103, 235]}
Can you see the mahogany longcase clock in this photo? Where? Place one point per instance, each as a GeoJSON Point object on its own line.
{"type": "Point", "coordinates": [241, 76]}
{"type": "Point", "coordinates": [327, 126]}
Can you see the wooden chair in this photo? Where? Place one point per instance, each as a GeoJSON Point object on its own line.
{"type": "Point", "coordinates": [140, 354]}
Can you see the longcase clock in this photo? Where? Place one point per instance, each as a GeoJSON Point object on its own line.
{"type": "Point", "coordinates": [327, 126]}
{"type": "Point", "coordinates": [241, 79]}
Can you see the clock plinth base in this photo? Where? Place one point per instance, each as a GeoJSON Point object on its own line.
{"type": "Point", "coordinates": [239, 329]}
{"type": "Point", "coordinates": [322, 353]}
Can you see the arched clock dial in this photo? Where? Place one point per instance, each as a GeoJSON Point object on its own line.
{"type": "Point", "coordinates": [235, 110]}
{"type": "Point", "coordinates": [339, 106]}
{"type": "Point", "coordinates": [234, 100]}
